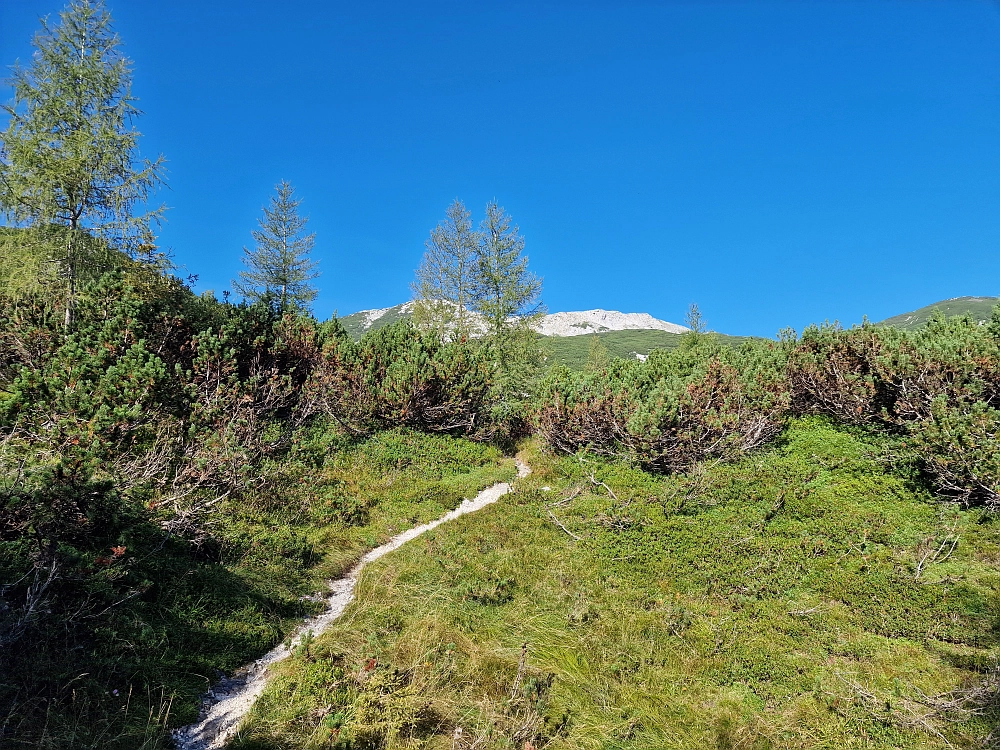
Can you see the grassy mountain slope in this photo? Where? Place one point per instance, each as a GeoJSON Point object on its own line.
{"type": "Point", "coordinates": [980, 308]}
{"type": "Point", "coordinates": [779, 602]}
{"type": "Point", "coordinates": [573, 351]}
{"type": "Point", "coordinates": [358, 323]}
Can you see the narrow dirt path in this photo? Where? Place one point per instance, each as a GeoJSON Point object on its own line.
{"type": "Point", "coordinates": [229, 701]}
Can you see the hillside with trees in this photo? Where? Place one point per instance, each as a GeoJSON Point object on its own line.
{"type": "Point", "coordinates": [787, 542]}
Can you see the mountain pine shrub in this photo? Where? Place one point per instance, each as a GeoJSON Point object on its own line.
{"type": "Point", "coordinates": [400, 376]}
{"type": "Point", "coordinates": [698, 402]}
{"type": "Point", "coordinates": [939, 386]}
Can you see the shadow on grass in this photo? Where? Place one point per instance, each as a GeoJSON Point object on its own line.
{"type": "Point", "coordinates": [109, 666]}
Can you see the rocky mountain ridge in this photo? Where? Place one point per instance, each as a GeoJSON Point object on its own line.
{"type": "Point", "coordinates": [576, 323]}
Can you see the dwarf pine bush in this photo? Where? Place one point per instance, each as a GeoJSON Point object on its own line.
{"type": "Point", "coordinates": [697, 402]}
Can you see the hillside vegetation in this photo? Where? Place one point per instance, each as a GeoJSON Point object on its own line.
{"type": "Point", "coordinates": [360, 323]}
{"type": "Point", "coordinates": [791, 599]}
{"type": "Point", "coordinates": [177, 479]}
{"type": "Point", "coordinates": [732, 544]}
{"type": "Point", "coordinates": [787, 543]}
{"type": "Point", "coordinates": [572, 351]}
{"type": "Point", "coordinates": [978, 308]}
{"type": "Point", "coordinates": [576, 351]}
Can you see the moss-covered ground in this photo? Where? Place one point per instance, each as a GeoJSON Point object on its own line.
{"type": "Point", "coordinates": [809, 596]}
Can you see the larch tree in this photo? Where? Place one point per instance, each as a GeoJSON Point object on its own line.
{"type": "Point", "coordinates": [478, 283]}
{"type": "Point", "coordinates": [279, 269]}
{"type": "Point", "coordinates": [508, 299]}
{"type": "Point", "coordinates": [70, 172]}
{"type": "Point", "coordinates": [694, 320]}
{"type": "Point", "coordinates": [445, 284]}
{"type": "Point", "coordinates": [507, 294]}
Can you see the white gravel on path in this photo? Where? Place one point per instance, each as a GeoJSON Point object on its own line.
{"type": "Point", "coordinates": [230, 700]}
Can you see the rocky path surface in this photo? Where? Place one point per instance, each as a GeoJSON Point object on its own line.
{"type": "Point", "coordinates": [228, 702]}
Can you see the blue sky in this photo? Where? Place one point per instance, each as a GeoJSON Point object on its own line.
{"type": "Point", "coordinates": [779, 163]}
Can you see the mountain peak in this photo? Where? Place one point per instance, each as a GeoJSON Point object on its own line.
{"type": "Point", "coordinates": [595, 321]}
{"type": "Point", "coordinates": [577, 323]}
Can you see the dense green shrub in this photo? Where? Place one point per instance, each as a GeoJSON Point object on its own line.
{"type": "Point", "coordinates": [940, 385]}
{"type": "Point", "coordinates": [873, 374]}
{"type": "Point", "coordinates": [140, 443]}
{"type": "Point", "coordinates": [167, 404]}
{"type": "Point", "coordinates": [960, 448]}
{"type": "Point", "coordinates": [700, 401]}
{"type": "Point", "coordinates": [398, 375]}
{"type": "Point", "coordinates": [844, 374]}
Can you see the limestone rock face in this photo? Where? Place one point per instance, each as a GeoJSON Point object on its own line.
{"type": "Point", "coordinates": [555, 324]}
{"type": "Point", "coordinates": [591, 321]}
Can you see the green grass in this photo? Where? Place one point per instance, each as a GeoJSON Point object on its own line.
{"type": "Point", "coordinates": [574, 351]}
{"type": "Point", "coordinates": [355, 323]}
{"type": "Point", "coordinates": [210, 610]}
{"type": "Point", "coordinates": [768, 604]}
{"type": "Point", "coordinates": [980, 308]}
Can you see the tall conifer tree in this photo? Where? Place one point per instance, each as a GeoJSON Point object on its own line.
{"type": "Point", "coordinates": [507, 297]}
{"type": "Point", "coordinates": [279, 269]}
{"type": "Point", "coordinates": [69, 164]}
{"type": "Point", "coordinates": [506, 291]}
{"type": "Point", "coordinates": [445, 283]}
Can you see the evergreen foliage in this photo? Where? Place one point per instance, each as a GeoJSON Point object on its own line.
{"type": "Point", "coordinates": [474, 282]}
{"type": "Point", "coordinates": [445, 286]}
{"type": "Point", "coordinates": [978, 308]}
{"type": "Point", "coordinates": [138, 448]}
{"type": "Point", "coordinates": [700, 401]}
{"type": "Point", "coordinates": [694, 320]}
{"type": "Point", "coordinates": [574, 351]}
{"type": "Point", "coordinates": [938, 385]}
{"type": "Point", "coordinates": [488, 272]}
{"type": "Point", "coordinates": [789, 599]}
{"type": "Point", "coordinates": [398, 375]}
{"type": "Point", "coordinates": [178, 475]}
{"type": "Point", "coordinates": [507, 293]}
{"type": "Point", "coordinates": [279, 269]}
{"type": "Point", "coordinates": [69, 155]}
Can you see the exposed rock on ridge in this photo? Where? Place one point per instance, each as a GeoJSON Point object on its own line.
{"type": "Point", "coordinates": [590, 321]}
{"type": "Point", "coordinates": [556, 324]}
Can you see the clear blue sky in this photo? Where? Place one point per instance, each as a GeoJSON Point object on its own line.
{"type": "Point", "coordinates": [779, 163]}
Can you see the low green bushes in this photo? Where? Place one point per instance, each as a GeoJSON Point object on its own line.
{"type": "Point", "coordinates": [166, 465]}
{"type": "Point", "coordinates": [788, 599]}
{"type": "Point", "coordinates": [398, 375]}
{"type": "Point", "coordinates": [700, 401]}
{"type": "Point", "coordinates": [177, 474]}
{"type": "Point", "coordinates": [938, 386]}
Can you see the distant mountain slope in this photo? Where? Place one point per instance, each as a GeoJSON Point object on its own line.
{"type": "Point", "coordinates": [557, 324]}
{"type": "Point", "coordinates": [359, 323]}
{"type": "Point", "coordinates": [980, 308]}
{"type": "Point", "coordinates": [574, 351]}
